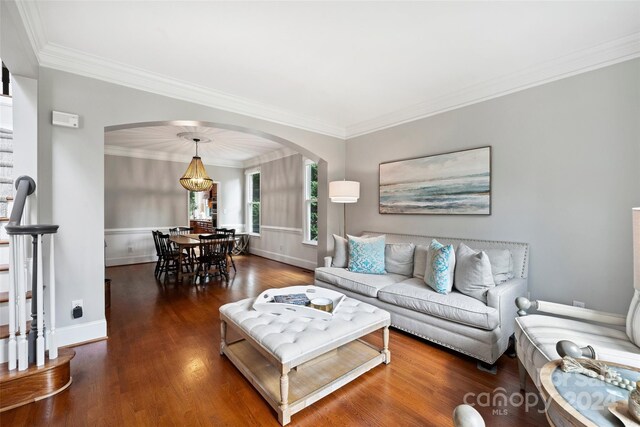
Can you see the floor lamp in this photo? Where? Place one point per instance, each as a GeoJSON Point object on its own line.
{"type": "Point", "coordinates": [344, 192]}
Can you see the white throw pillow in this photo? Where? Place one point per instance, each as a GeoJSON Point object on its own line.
{"type": "Point", "coordinates": [398, 258]}
{"type": "Point", "coordinates": [473, 273]}
{"type": "Point", "coordinates": [340, 252]}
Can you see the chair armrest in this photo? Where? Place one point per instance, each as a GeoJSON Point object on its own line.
{"type": "Point", "coordinates": [501, 298]}
{"type": "Point", "coordinates": [524, 304]}
{"type": "Point", "coordinates": [327, 261]}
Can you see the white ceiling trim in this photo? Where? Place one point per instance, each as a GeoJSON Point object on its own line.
{"type": "Point", "coordinates": [77, 62]}
{"type": "Point", "coordinates": [619, 50]}
{"type": "Point", "coordinates": [114, 150]}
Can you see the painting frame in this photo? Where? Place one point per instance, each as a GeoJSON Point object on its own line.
{"type": "Point", "coordinates": [421, 186]}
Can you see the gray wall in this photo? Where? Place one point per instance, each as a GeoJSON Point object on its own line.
{"type": "Point", "coordinates": [281, 206]}
{"type": "Point", "coordinates": [565, 175]}
{"type": "Point", "coordinates": [146, 193]}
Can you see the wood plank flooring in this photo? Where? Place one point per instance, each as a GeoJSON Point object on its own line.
{"type": "Point", "coordinates": [161, 366]}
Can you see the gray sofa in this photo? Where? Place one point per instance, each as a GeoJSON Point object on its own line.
{"type": "Point", "coordinates": [454, 320]}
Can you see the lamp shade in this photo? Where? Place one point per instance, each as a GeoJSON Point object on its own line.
{"type": "Point", "coordinates": [196, 178]}
{"type": "Point", "coordinates": [636, 247]}
{"type": "Point", "coordinates": [344, 191]}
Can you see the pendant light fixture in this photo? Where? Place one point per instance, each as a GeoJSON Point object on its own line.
{"type": "Point", "coordinates": [196, 178]}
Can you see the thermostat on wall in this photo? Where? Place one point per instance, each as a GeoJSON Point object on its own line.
{"type": "Point", "coordinates": [65, 119]}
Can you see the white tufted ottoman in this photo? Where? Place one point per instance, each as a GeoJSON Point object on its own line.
{"type": "Point", "coordinates": [295, 361]}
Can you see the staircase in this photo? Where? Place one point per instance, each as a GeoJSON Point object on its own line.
{"type": "Point", "coordinates": [29, 372]}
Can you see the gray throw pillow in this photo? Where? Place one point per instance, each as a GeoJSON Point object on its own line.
{"type": "Point", "coordinates": [420, 261]}
{"type": "Point", "coordinates": [473, 273]}
{"type": "Point", "coordinates": [501, 264]}
{"type": "Point", "coordinates": [398, 258]}
{"type": "Point", "coordinates": [340, 252]}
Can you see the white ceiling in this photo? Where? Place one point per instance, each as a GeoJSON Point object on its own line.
{"type": "Point", "coordinates": [339, 68]}
{"type": "Point", "coordinates": [225, 147]}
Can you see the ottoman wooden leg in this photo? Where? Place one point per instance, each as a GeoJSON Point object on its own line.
{"type": "Point", "coordinates": [223, 336]}
{"type": "Point", "coordinates": [284, 415]}
{"type": "Point", "coordinates": [385, 344]}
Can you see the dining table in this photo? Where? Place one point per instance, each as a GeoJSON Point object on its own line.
{"type": "Point", "coordinates": [187, 242]}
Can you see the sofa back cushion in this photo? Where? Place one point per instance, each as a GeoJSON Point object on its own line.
{"type": "Point", "coordinates": [398, 258]}
{"type": "Point", "coordinates": [420, 261]}
{"type": "Point", "coordinates": [501, 264]}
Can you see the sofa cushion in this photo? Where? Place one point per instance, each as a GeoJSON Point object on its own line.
{"type": "Point", "coordinates": [363, 284]}
{"type": "Point", "coordinates": [398, 258]}
{"type": "Point", "coordinates": [413, 294]}
{"type": "Point", "coordinates": [441, 261]}
{"type": "Point", "coordinates": [366, 254]}
{"type": "Point", "coordinates": [340, 252]}
{"type": "Point", "coordinates": [473, 273]}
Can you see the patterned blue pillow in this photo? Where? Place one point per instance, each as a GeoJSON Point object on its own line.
{"type": "Point", "coordinates": [366, 254]}
{"type": "Point", "coordinates": [441, 261]}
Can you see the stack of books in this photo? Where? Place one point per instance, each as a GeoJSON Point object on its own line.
{"type": "Point", "coordinates": [296, 299]}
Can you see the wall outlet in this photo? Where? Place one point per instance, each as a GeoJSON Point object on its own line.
{"type": "Point", "coordinates": [76, 309]}
{"type": "Point", "coordinates": [578, 304]}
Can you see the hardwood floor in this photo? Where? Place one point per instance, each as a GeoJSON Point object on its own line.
{"type": "Point", "coordinates": [160, 366]}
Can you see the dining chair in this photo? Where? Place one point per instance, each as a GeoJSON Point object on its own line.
{"type": "Point", "coordinates": [231, 236]}
{"type": "Point", "coordinates": [156, 243]}
{"type": "Point", "coordinates": [212, 255]}
{"type": "Point", "coordinates": [169, 256]}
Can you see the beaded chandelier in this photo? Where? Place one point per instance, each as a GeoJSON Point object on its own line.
{"type": "Point", "coordinates": [196, 178]}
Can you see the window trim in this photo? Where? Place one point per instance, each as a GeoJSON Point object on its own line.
{"type": "Point", "coordinates": [249, 203]}
{"type": "Point", "coordinates": [306, 203]}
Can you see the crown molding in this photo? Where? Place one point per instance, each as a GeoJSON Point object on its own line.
{"type": "Point", "coordinates": [73, 61]}
{"type": "Point", "coordinates": [114, 150]}
{"type": "Point", "coordinates": [599, 56]}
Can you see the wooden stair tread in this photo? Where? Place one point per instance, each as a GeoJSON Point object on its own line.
{"type": "Point", "coordinates": [4, 267]}
{"type": "Point", "coordinates": [4, 330]}
{"type": "Point", "coordinates": [64, 356]}
{"type": "Point", "coordinates": [4, 219]}
{"type": "Point", "coordinates": [9, 198]}
{"type": "Point", "coordinates": [19, 388]}
{"type": "Point", "coordinates": [4, 242]}
{"type": "Point", "coordinates": [4, 296]}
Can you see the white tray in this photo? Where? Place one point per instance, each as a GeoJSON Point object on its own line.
{"type": "Point", "coordinates": [263, 302]}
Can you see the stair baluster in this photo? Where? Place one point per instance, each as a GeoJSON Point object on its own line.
{"type": "Point", "coordinates": [52, 343]}
{"type": "Point", "coordinates": [12, 349]}
{"type": "Point", "coordinates": [23, 344]}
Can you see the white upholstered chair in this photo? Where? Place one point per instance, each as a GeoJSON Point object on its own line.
{"type": "Point", "coordinates": [594, 331]}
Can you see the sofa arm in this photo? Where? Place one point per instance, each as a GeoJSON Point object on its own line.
{"type": "Point", "coordinates": [580, 313]}
{"type": "Point", "coordinates": [327, 261]}
{"type": "Point", "coordinates": [502, 296]}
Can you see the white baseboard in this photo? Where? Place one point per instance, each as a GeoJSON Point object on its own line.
{"type": "Point", "coordinates": [135, 259]}
{"type": "Point", "coordinates": [67, 335]}
{"type": "Point", "coordinates": [298, 262]}
{"type": "Point", "coordinates": [81, 332]}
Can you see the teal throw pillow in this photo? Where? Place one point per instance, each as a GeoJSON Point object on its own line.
{"type": "Point", "coordinates": [441, 261]}
{"type": "Point", "coordinates": [366, 254]}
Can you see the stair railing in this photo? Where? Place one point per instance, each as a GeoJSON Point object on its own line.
{"type": "Point", "coordinates": [27, 347]}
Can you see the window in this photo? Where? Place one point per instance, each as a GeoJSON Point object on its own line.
{"type": "Point", "coordinates": [310, 202]}
{"type": "Point", "coordinates": [253, 201]}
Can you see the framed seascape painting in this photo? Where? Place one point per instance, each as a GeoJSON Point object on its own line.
{"type": "Point", "coordinates": [457, 183]}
